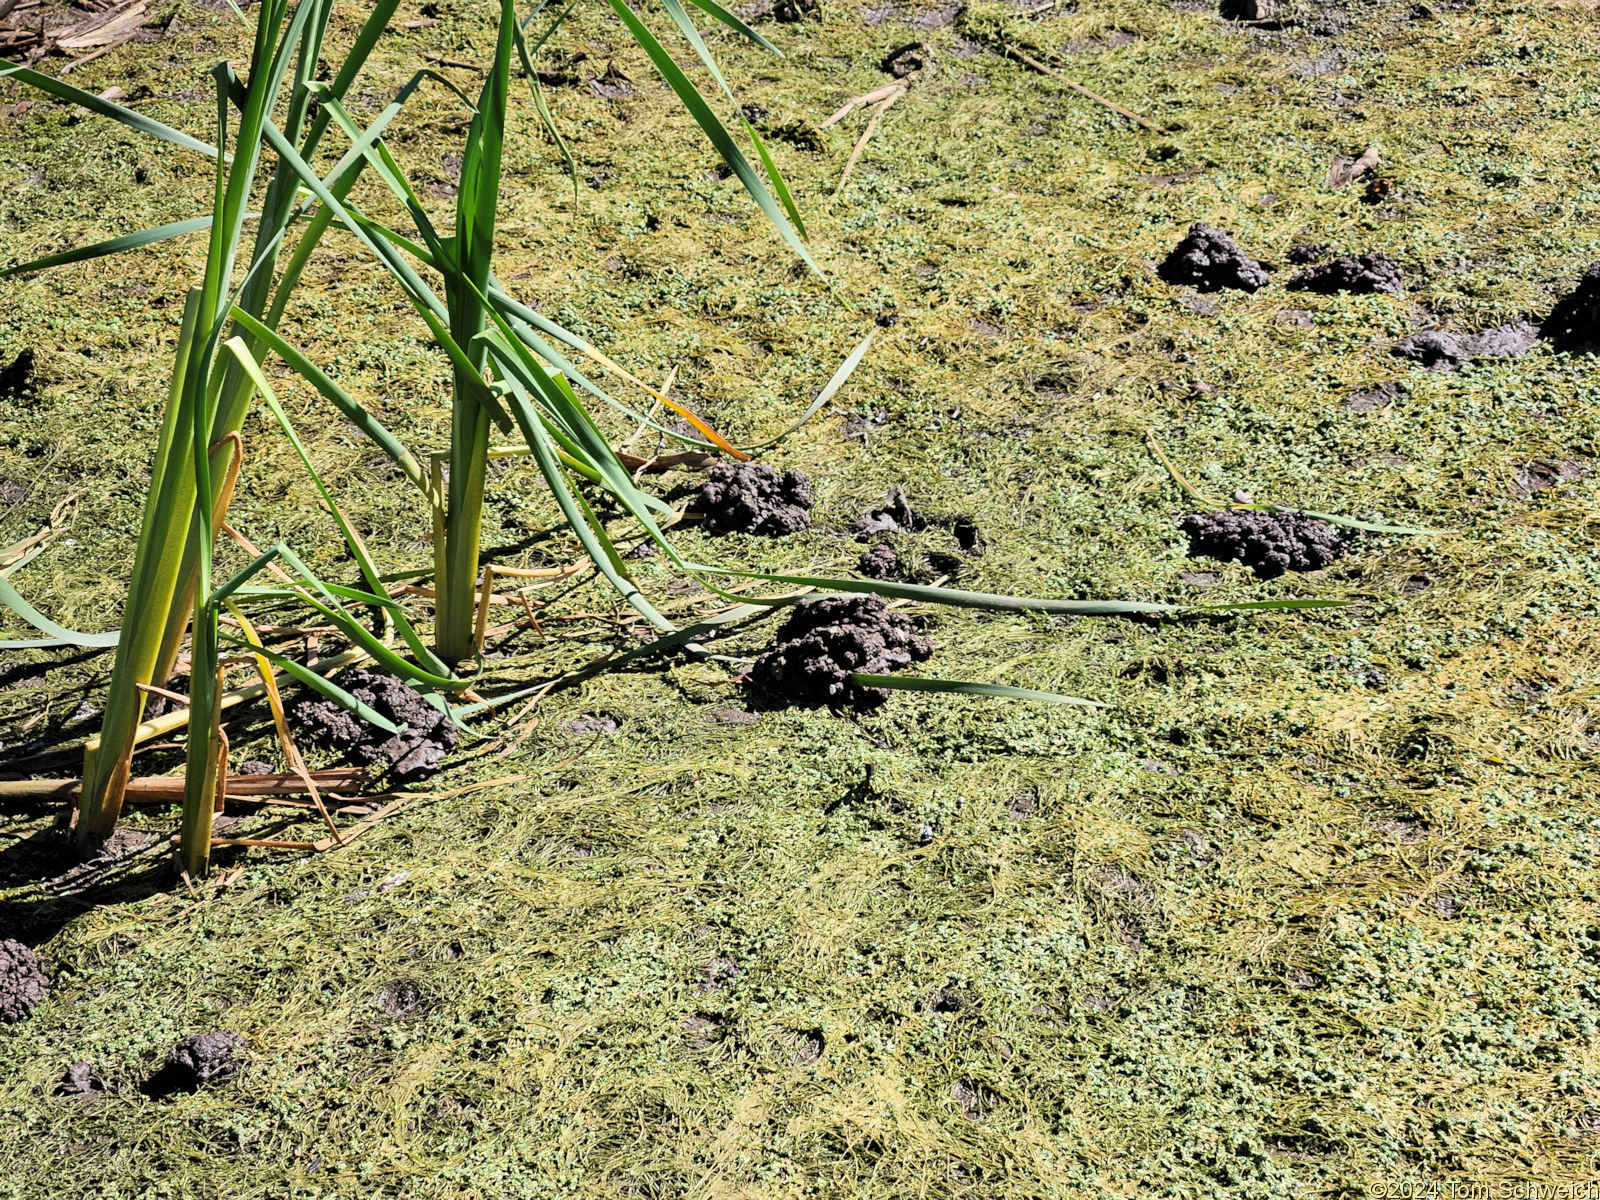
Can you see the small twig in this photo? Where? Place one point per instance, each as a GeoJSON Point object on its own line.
{"type": "Point", "coordinates": [451, 62]}
{"type": "Point", "coordinates": [1341, 171]}
{"type": "Point", "coordinates": [1081, 90]}
{"type": "Point", "coordinates": [871, 97]}
{"type": "Point", "coordinates": [866, 134]}
{"type": "Point", "coordinates": [655, 407]}
{"type": "Point", "coordinates": [175, 697]}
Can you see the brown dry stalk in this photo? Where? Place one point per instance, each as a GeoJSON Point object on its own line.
{"type": "Point", "coordinates": [866, 135]}
{"type": "Point", "coordinates": [1083, 91]}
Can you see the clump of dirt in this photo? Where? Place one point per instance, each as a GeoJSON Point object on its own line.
{"type": "Point", "coordinates": [790, 11]}
{"type": "Point", "coordinates": [197, 1060]}
{"type": "Point", "coordinates": [1434, 349]}
{"type": "Point", "coordinates": [413, 753]}
{"type": "Point", "coordinates": [754, 498]}
{"type": "Point", "coordinates": [80, 1079]}
{"type": "Point", "coordinates": [1545, 474]}
{"type": "Point", "coordinates": [1375, 398]}
{"type": "Point", "coordinates": [896, 516]}
{"type": "Point", "coordinates": [23, 981]}
{"type": "Point", "coordinates": [252, 766]}
{"type": "Point", "coordinates": [1506, 341]}
{"type": "Point", "coordinates": [880, 562]}
{"type": "Point", "coordinates": [1303, 253]}
{"type": "Point", "coordinates": [1208, 260]}
{"type": "Point", "coordinates": [1440, 351]}
{"type": "Point", "coordinates": [968, 536]}
{"type": "Point", "coordinates": [1359, 274]}
{"type": "Point", "coordinates": [1247, 10]}
{"type": "Point", "coordinates": [1268, 543]}
{"type": "Point", "coordinates": [1574, 323]}
{"type": "Point", "coordinates": [825, 641]}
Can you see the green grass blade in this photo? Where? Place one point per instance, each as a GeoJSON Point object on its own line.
{"type": "Point", "coordinates": [426, 304]}
{"type": "Point", "coordinates": [690, 96]}
{"type": "Point", "coordinates": [681, 19]}
{"type": "Point", "coordinates": [919, 683]}
{"type": "Point", "coordinates": [958, 598]}
{"type": "Point", "coordinates": [124, 116]}
{"type": "Point", "coordinates": [126, 241]}
{"type": "Point", "coordinates": [779, 184]}
{"type": "Point", "coordinates": [717, 13]}
{"type": "Point", "coordinates": [840, 377]}
{"type": "Point", "coordinates": [352, 409]}
{"type": "Point", "coordinates": [58, 634]}
{"type": "Point", "coordinates": [361, 637]}
{"type": "Point", "coordinates": [242, 354]}
{"type": "Point", "coordinates": [525, 56]}
{"type": "Point", "coordinates": [325, 688]}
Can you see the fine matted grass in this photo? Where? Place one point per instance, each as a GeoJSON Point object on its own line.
{"type": "Point", "coordinates": [1308, 908]}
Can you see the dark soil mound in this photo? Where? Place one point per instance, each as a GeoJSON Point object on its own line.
{"type": "Point", "coordinates": [1506, 341]}
{"type": "Point", "coordinates": [753, 498]}
{"type": "Point", "coordinates": [1302, 253]}
{"type": "Point", "coordinates": [1209, 260]}
{"type": "Point", "coordinates": [23, 982]}
{"type": "Point", "coordinates": [1440, 351]}
{"type": "Point", "coordinates": [1360, 274]}
{"type": "Point", "coordinates": [1435, 350]}
{"type": "Point", "coordinates": [1268, 543]}
{"type": "Point", "coordinates": [197, 1060]}
{"type": "Point", "coordinates": [79, 1079]}
{"type": "Point", "coordinates": [1247, 10]}
{"type": "Point", "coordinates": [1574, 323]}
{"type": "Point", "coordinates": [411, 754]}
{"type": "Point", "coordinates": [880, 562]}
{"type": "Point", "coordinates": [825, 641]}
{"type": "Point", "coordinates": [896, 516]}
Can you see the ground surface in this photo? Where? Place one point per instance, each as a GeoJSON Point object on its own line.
{"type": "Point", "coordinates": [1309, 909]}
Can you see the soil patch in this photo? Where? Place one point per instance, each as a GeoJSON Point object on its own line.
{"type": "Point", "coordinates": [754, 498]}
{"type": "Point", "coordinates": [16, 375]}
{"type": "Point", "coordinates": [80, 1079]}
{"type": "Point", "coordinates": [1359, 274]}
{"type": "Point", "coordinates": [197, 1060]}
{"type": "Point", "coordinates": [1574, 323]}
{"type": "Point", "coordinates": [1268, 543]}
{"type": "Point", "coordinates": [23, 981]}
{"type": "Point", "coordinates": [1506, 341]}
{"type": "Point", "coordinates": [1435, 350]}
{"type": "Point", "coordinates": [825, 641]}
{"type": "Point", "coordinates": [1440, 351]}
{"type": "Point", "coordinates": [1374, 398]}
{"type": "Point", "coordinates": [895, 516]}
{"type": "Point", "coordinates": [413, 753]}
{"type": "Point", "coordinates": [880, 562]}
{"type": "Point", "coordinates": [1545, 474]}
{"type": "Point", "coordinates": [1208, 260]}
